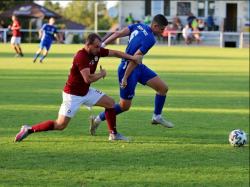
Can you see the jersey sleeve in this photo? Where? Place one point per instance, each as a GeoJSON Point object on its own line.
{"type": "Point", "coordinates": [43, 27]}
{"type": "Point", "coordinates": [17, 24]}
{"type": "Point", "coordinates": [146, 45]}
{"type": "Point", "coordinates": [55, 31]}
{"type": "Point", "coordinates": [81, 61]}
{"type": "Point", "coordinates": [103, 52]}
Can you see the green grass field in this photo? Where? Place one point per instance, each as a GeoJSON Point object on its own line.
{"type": "Point", "coordinates": [208, 98]}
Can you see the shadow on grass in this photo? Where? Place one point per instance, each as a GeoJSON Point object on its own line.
{"type": "Point", "coordinates": [193, 57]}
{"type": "Point", "coordinates": [51, 55]}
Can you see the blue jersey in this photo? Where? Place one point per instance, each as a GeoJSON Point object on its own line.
{"type": "Point", "coordinates": [48, 32]}
{"type": "Point", "coordinates": [141, 37]}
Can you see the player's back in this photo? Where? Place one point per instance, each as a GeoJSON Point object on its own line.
{"type": "Point", "coordinates": [141, 37]}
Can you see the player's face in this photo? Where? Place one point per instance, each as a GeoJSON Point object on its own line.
{"type": "Point", "coordinates": [158, 30]}
{"type": "Point", "coordinates": [13, 18]}
{"type": "Point", "coordinates": [51, 21]}
{"type": "Point", "coordinates": [94, 48]}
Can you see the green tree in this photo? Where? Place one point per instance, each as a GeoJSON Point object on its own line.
{"type": "Point", "coordinates": [6, 5]}
{"type": "Point", "coordinates": [53, 7]}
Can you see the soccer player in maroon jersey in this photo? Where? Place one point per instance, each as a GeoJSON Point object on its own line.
{"type": "Point", "coordinates": [16, 36]}
{"type": "Point", "coordinates": [77, 91]}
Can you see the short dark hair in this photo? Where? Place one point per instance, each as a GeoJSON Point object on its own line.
{"type": "Point", "coordinates": [91, 38]}
{"type": "Point", "coordinates": [160, 20]}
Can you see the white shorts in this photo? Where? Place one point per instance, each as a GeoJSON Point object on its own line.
{"type": "Point", "coordinates": [15, 40]}
{"type": "Point", "coordinates": [71, 103]}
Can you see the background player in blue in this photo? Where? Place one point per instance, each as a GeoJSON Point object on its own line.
{"type": "Point", "coordinates": [141, 39]}
{"type": "Point", "coordinates": [46, 34]}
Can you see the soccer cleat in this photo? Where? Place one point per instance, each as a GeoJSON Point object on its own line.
{"type": "Point", "coordinates": [22, 134]}
{"type": "Point", "coordinates": [21, 55]}
{"type": "Point", "coordinates": [17, 55]}
{"type": "Point", "coordinates": [93, 125]}
{"type": "Point", "coordinates": [162, 122]}
{"type": "Point", "coordinates": [34, 60]}
{"type": "Point", "coordinates": [117, 136]}
{"type": "Point", "coordinates": [41, 61]}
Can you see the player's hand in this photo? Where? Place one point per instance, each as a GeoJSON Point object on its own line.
{"type": "Point", "coordinates": [40, 36]}
{"type": "Point", "coordinates": [137, 59]}
{"type": "Point", "coordinates": [103, 71]}
{"type": "Point", "coordinates": [124, 83]}
{"type": "Point", "coordinates": [9, 27]}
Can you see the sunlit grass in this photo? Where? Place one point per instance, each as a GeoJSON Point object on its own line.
{"type": "Point", "coordinates": [208, 98]}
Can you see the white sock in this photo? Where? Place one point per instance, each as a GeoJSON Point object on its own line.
{"type": "Point", "coordinates": [157, 116]}
{"type": "Point", "coordinates": [98, 120]}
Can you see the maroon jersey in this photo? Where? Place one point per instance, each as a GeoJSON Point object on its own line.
{"type": "Point", "coordinates": [76, 84]}
{"type": "Point", "coordinates": [16, 33]}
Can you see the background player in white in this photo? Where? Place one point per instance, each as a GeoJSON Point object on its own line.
{"type": "Point", "coordinates": [46, 34]}
{"type": "Point", "coordinates": [141, 39]}
{"type": "Point", "coordinates": [77, 90]}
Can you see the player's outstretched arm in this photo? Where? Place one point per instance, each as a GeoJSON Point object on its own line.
{"type": "Point", "coordinates": [89, 78]}
{"type": "Point", "coordinates": [40, 33]}
{"type": "Point", "coordinates": [113, 37]}
{"type": "Point", "coordinates": [136, 58]}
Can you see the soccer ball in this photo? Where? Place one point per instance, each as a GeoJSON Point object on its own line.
{"type": "Point", "coordinates": [237, 138]}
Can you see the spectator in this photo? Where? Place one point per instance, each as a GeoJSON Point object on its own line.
{"type": "Point", "coordinates": [63, 34]}
{"type": "Point", "coordinates": [190, 19]}
{"type": "Point", "coordinates": [3, 25]}
{"type": "Point", "coordinates": [176, 21]}
{"type": "Point", "coordinates": [201, 25]}
{"type": "Point", "coordinates": [196, 35]}
{"type": "Point", "coordinates": [1, 36]}
{"type": "Point", "coordinates": [186, 33]}
{"type": "Point", "coordinates": [129, 20]}
{"type": "Point", "coordinates": [168, 30]}
{"type": "Point", "coordinates": [148, 19]}
{"type": "Point", "coordinates": [210, 23]}
{"type": "Point", "coordinates": [179, 28]}
{"type": "Point", "coordinates": [194, 23]}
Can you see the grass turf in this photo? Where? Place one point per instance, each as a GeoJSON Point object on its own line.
{"type": "Point", "coordinates": [208, 98]}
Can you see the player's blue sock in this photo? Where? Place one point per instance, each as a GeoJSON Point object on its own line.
{"type": "Point", "coordinates": [37, 55]}
{"type": "Point", "coordinates": [42, 58]}
{"type": "Point", "coordinates": [118, 110]}
{"type": "Point", "coordinates": [159, 103]}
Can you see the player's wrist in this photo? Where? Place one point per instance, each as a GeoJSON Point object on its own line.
{"type": "Point", "coordinates": [103, 45]}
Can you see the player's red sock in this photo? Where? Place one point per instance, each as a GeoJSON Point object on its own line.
{"type": "Point", "coordinates": [111, 119]}
{"type": "Point", "coordinates": [20, 50]}
{"type": "Point", "coordinates": [16, 49]}
{"type": "Point", "coordinates": [45, 126]}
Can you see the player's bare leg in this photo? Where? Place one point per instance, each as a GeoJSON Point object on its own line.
{"type": "Point", "coordinates": [161, 91]}
{"type": "Point", "coordinates": [37, 54]}
{"type": "Point", "coordinates": [110, 114]}
{"type": "Point", "coordinates": [59, 124]}
{"type": "Point", "coordinates": [20, 50]}
{"type": "Point", "coordinates": [44, 55]}
{"type": "Point", "coordinates": [14, 47]}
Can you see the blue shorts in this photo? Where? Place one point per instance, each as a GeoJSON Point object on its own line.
{"type": "Point", "coordinates": [45, 44]}
{"type": "Point", "coordinates": [140, 74]}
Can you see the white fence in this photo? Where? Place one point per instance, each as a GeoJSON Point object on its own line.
{"type": "Point", "coordinates": [212, 38]}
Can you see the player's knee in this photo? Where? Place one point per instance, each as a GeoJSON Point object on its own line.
{"type": "Point", "coordinates": [163, 90]}
{"type": "Point", "coordinates": [60, 125]}
{"type": "Point", "coordinates": [110, 103]}
{"type": "Point", "coordinates": [124, 106]}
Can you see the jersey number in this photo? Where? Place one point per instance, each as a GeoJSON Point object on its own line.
{"type": "Point", "coordinates": [133, 34]}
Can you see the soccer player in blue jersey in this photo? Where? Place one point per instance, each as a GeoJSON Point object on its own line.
{"type": "Point", "coordinates": [141, 39]}
{"type": "Point", "coordinates": [46, 34]}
